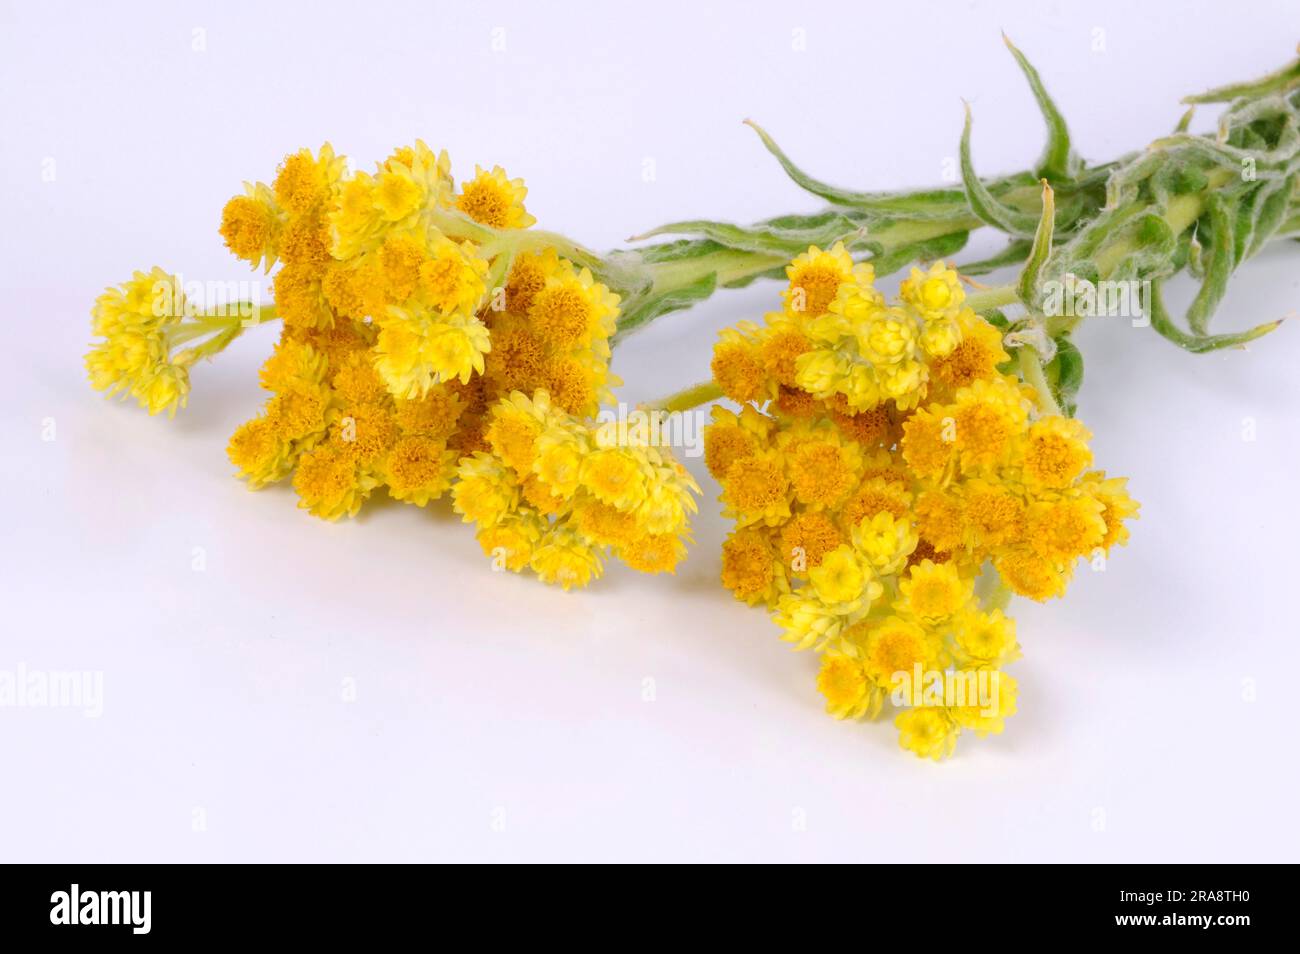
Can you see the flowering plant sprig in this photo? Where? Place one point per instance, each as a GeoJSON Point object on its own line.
{"type": "Point", "coordinates": [897, 469]}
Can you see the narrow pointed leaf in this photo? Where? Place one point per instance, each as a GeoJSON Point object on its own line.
{"type": "Point", "coordinates": [1058, 162]}
{"type": "Point", "coordinates": [930, 250]}
{"type": "Point", "coordinates": [983, 203]}
{"type": "Point", "coordinates": [921, 203]}
{"type": "Point", "coordinates": [1041, 248]}
{"type": "Point", "coordinates": [1199, 344]}
{"type": "Point", "coordinates": [792, 234]}
{"type": "Point", "coordinates": [1219, 259]}
{"type": "Point", "coordinates": [1273, 82]}
{"type": "Point", "coordinates": [826, 191]}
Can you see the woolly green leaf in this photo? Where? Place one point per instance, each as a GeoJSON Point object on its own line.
{"type": "Point", "coordinates": [788, 235]}
{"type": "Point", "coordinates": [983, 203]}
{"type": "Point", "coordinates": [1259, 219]}
{"type": "Point", "coordinates": [923, 202]}
{"type": "Point", "coordinates": [1198, 344]}
{"type": "Point", "coordinates": [675, 251]}
{"type": "Point", "coordinates": [1058, 161]}
{"type": "Point", "coordinates": [638, 313]}
{"type": "Point", "coordinates": [944, 246]}
{"type": "Point", "coordinates": [1065, 374]}
{"type": "Point", "coordinates": [1027, 288]}
{"type": "Point", "coordinates": [1272, 83]}
{"type": "Point", "coordinates": [1219, 258]}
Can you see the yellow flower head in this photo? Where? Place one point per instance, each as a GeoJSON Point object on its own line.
{"type": "Point", "coordinates": [885, 541]}
{"type": "Point", "coordinates": [452, 278]}
{"type": "Point", "coordinates": [419, 469]}
{"type": "Point", "coordinates": [305, 181]}
{"type": "Point", "coordinates": [987, 417]}
{"type": "Point", "coordinates": [515, 426]}
{"type": "Point", "coordinates": [992, 515]}
{"type": "Point", "coordinates": [511, 543]}
{"type": "Point", "coordinates": [988, 715]}
{"type": "Point", "coordinates": [874, 496]}
{"type": "Point", "coordinates": [495, 199]}
{"type": "Point", "coordinates": [963, 351]}
{"type": "Point", "coordinates": [251, 225]}
{"type": "Point", "coordinates": [258, 452]}
{"type": "Point", "coordinates": [564, 559]}
{"type": "Point", "coordinates": [485, 491]}
{"type": "Point", "coordinates": [806, 540]}
{"type": "Point", "coordinates": [823, 467]}
{"type": "Point", "coordinates": [571, 309]}
{"type": "Point", "coordinates": [841, 577]}
{"type": "Point", "coordinates": [738, 365]}
{"type": "Point", "coordinates": [929, 442]}
{"type": "Point", "coordinates": [415, 351]}
{"type": "Point", "coordinates": [936, 294]}
{"type": "Point", "coordinates": [750, 567]}
{"type": "Point", "coordinates": [728, 439]}
{"type": "Point", "coordinates": [808, 623]}
{"type": "Point", "coordinates": [848, 689]}
{"type": "Point", "coordinates": [815, 278]}
{"type": "Point", "coordinates": [1055, 452]}
{"type": "Point", "coordinates": [896, 645]}
{"type": "Point", "coordinates": [782, 343]}
{"type": "Point", "coordinates": [927, 731]}
{"type": "Point", "coordinates": [1064, 527]}
{"type": "Point", "coordinates": [330, 484]}
{"type": "Point", "coordinates": [1031, 575]}
{"type": "Point", "coordinates": [887, 336]}
{"type": "Point", "coordinates": [1112, 493]}
{"type": "Point", "coordinates": [934, 592]}
{"type": "Point", "coordinates": [397, 195]}
{"type": "Point", "coordinates": [614, 476]}
{"type": "Point", "coordinates": [755, 490]}
{"type": "Point", "coordinates": [653, 552]}
{"type": "Point", "coordinates": [986, 639]}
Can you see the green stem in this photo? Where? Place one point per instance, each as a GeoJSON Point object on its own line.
{"type": "Point", "coordinates": [1031, 369]}
{"type": "Point", "coordinates": [229, 323]}
{"type": "Point", "coordinates": [494, 242]}
{"type": "Point", "coordinates": [986, 299]}
{"type": "Point", "coordinates": [688, 398]}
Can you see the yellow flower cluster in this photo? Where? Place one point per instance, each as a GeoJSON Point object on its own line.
{"type": "Point", "coordinates": [889, 485]}
{"type": "Point", "coordinates": [429, 341]}
{"type": "Point", "coordinates": [837, 340]}
{"type": "Point", "coordinates": [332, 423]}
{"type": "Point", "coordinates": [554, 493]}
{"type": "Point", "coordinates": [403, 250]}
{"type": "Point", "coordinates": [140, 324]}
{"type": "Point", "coordinates": [409, 308]}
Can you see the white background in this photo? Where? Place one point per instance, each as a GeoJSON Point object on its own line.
{"type": "Point", "coordinates": [497, 719]}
